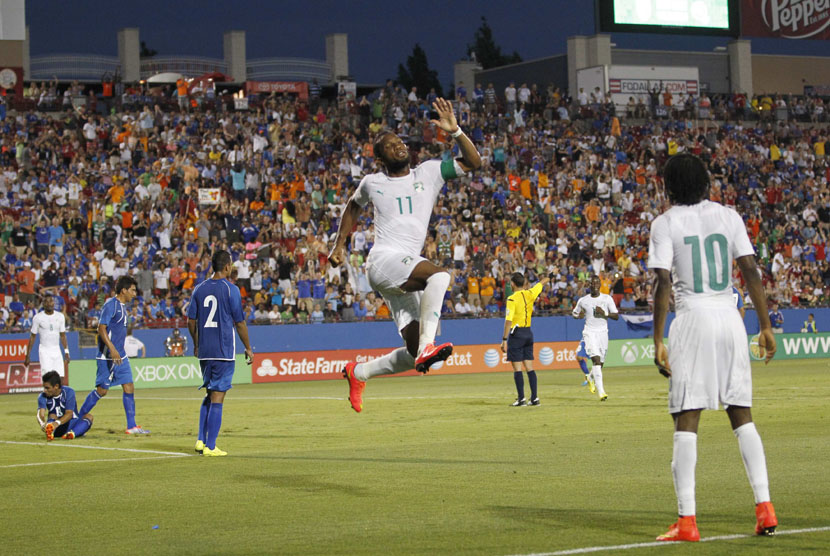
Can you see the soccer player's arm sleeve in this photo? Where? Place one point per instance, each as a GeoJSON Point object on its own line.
{"type": "Point", "coordinates": [450, 169]}
{"type": "Point", "coordinates": [41, 402]}
{"type": "Point", "coordinates": [70, 402]}
{"type": "Point", "coordinates": [107, 311]}
{"type": "Point", "coordinates": [660, 251]}
{"type": "Point", "coordinates": [510, 307]}
{"type": "Point", "coordinates": [63, 324]}
{"type": "Point", "coordinates": [236, 306]}
{"type": "Point", "coordinates": [192, 308]}
{"type": "Point", "coordinates": [361, 194]}
{"type": "Point", "coordinates": [741, 245]}
{"type": "Point", "coordinates": [35, 322]}
{"type": "Point", "coordinates": [536, 290]}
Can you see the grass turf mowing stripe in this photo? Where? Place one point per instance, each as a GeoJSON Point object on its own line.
{"type": "Point", "coordinates": [589, 549]}
{"type": "Point", "coordinates": [91, 461]}
{"type": "Point", "coordinates": [135, 450]}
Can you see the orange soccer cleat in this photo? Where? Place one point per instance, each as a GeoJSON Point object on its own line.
{"type": "Point", "coordinates": [355, 387]}
{"type": "Point", "coordinates": [432, 354]}
{"type": "Point", "coordinates": [684, 529]}
{"type": "Point", "coordinates": [766, 520]}
{"type": "Point", "coordinates": [50, 429]}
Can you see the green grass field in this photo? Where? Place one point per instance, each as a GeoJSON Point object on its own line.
{"type": "Point", "coordinates": [433, 465]}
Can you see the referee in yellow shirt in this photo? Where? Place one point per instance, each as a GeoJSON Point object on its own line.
{"type": "Point", "coordinates": [517, 339]}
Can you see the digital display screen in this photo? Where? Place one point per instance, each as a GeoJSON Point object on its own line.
{"type": "Point", "coordinates": [696, 17]}
{"type": "Point", "coordinates": [676, 13]}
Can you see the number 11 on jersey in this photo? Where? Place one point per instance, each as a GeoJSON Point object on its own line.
{"type": "Point", "coordinates": [400, 203]}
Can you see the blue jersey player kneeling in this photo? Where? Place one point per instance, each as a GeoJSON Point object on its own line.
{"type": "Point", "coordinates": [214, 312]}
{"type": "Point", "coordinates": [113, 363]}
{"type": "Point", "coordinates": [57, 410]}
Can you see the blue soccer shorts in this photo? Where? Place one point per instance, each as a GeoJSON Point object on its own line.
{"type": "Point", "coordinates": [110, 374]}
{"type": "Point", "coordinates": [217, 374]}
{"type": "Point", "coordinates": [520, 345]}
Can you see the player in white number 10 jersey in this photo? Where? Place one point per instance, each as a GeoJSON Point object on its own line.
{"type": "Point", "coordinates": [596, 308]}
{"type": "Point", "coordinates": [50, 325]}
{"type": "Point", "coordinates": [412, 286]}
{"type": "Point", "coordinates": [707, 360]}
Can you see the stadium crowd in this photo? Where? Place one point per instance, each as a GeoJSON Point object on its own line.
{"type": "Point", "coordinates": [568, 186]}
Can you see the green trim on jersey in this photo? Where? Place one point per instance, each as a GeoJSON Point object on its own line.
{"type": "Point", "coordinates": [448, 169]}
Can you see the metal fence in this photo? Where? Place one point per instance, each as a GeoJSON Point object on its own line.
{"type": "Point", "coordinates": [91, 68]}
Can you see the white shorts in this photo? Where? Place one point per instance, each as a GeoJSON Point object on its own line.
{"type": "Point", "coordinates": [387, 272]}
{"type": "Point", "coordinates": [51, 360]}
{"type": "Point", "coordinates": [596, 343]}
{"type": "Point", "coordinates": [709, 359]}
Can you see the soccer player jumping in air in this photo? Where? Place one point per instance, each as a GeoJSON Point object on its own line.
{"type": "Point", "coordinates": [707, 361]}
{"type": "Point", "coordinates": [412, 286]}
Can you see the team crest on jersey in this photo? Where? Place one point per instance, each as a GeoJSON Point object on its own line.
{"type": "Point", "coordinates": [419, 186]}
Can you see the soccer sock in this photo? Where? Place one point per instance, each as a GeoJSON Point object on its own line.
{"type": "Point", "coordinates": [520, 384]}
{"type": "Point", "coordinates": [431, 300]}
{"type": "Point", "coordinates": [531, 378]}
{"type": "Point", "coordinates": [90, 402]}
{"type": "Point", "coordinates": [214, 422]}
{"type": "Point", "coordinates": [684, 459]}
{"type": "Point", "coordinates": [397, 361]}
{"type": "Point", "coordinates": [203, 414]}
{"type": "Point", "coordinates": [596, 371]}
{"type": "Point", "coordinates": [81, 426]}
{"type": "Point", "coordinates": [129, 409]}
{"type": "Point", "coordinates": [752, 452]}
{"type": "Point", "coordinates": [584, 367]}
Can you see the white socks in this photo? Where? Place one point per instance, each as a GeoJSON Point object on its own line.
{"type": "Point", "coordinates": [752, 452]}
{"type": "Point", "coordinates": [684, 459]}
{"type": "Point", "coordinates": [432, 298]}
{"type": "Point", "coordinates": [596, 371]}
{"type": "Point", "coordinates": [394, 362]}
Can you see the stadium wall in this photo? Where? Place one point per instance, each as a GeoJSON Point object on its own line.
{"type": "Point", "coordinates": [788, 74]}
{"type": "Point", "coordinates": [552, 70]}
{"type": "Point", "coordinates": [713, 67]}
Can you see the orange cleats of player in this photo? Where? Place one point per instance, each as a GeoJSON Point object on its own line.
{"type": "Point", "coordinates": [50, 430]}
{"type": "Point", "coordinates": [432, 354]}
{"type": "Point", "coordinates": [355, 387]}
{"type": "Point", "coordinates": [69, 436]}
{"type": "Point", "coordinates": [766, 520]}
{"type": "Point", "coordinates": [684, 529]}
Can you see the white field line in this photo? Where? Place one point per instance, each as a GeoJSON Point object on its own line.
{"type": "Point", "coordinates": [117, 460]}
{"type": "Point", "coordinates": [62, 445]}
{"type": "Point", "coordinates": [336, 398]}
{"type": "Point", "coordinates": [590, 549]}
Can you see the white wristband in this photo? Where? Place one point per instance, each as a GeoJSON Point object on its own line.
{"type": "Point", "coordinates": [66, 351]}
{"type": "Point", "coordinates": [457, 133]}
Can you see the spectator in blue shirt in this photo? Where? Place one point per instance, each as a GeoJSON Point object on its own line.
{"type": "Point", "coordinates": [776, 318]}
{"type": "Point", "coordinates": [359, 310]}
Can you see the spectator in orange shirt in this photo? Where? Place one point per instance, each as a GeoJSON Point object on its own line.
{"type": "Point", "coordinates": [26, 282]}
{"type": "Point", "coordinates": [116, 193]}
{"type": "Point", "coordinates": [592, 211]}
{"type": "Point", "coordinates": [488, 286]}
{"type": "Point", "coordinates": [473, 287]}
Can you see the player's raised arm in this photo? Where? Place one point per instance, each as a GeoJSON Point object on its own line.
{"type": "Point", "coordinates": [749, 271]}
{"type": "Point", "coordinates": [470, 159]}
{"type": "Point", "coordinates": [348, 220]}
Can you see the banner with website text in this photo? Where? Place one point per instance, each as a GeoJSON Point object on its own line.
{"type": "Point", "coordinates": [325, 365]}
{"type": "Point", "coordinates": [156, 372]}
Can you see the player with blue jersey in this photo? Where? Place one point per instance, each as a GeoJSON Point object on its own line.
{"type": "Point", "coordinates": [215, 311]}
{"type": "Point", "coordinates": [113, 364]}
{"type": "Point", "coordinates": [57, 410]}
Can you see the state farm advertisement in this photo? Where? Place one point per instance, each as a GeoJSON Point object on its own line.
{"type": "Point", "coordinates": [292, 366]}
{"type": "Point", "coordinates": [17, 377]}
{"type": "Point", "coordinates": [786, 19]}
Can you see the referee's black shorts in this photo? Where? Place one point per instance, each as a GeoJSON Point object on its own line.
{"type": "Point", "coordinates": [520, 344]}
